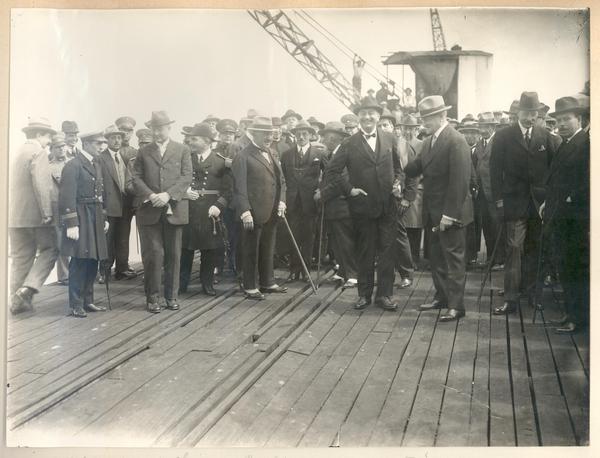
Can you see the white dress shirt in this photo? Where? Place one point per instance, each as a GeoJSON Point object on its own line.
{"type": "Point", "coordinates": [372, 141]}
{"type": "Point", "coordinates": [162, 147]}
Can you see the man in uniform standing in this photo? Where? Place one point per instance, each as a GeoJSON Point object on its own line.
{"type": "Point", "coordinates": [82, 215]}
{"type": "Point", "coordinates": [350, 122]}
{"type": "Point", "coordinates": [162, 173]}
{"type": "Point", "coordinates": [209, 196]}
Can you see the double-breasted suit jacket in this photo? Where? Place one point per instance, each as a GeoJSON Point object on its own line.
{"type": "Point", "coordinates": [518, 171]}
{"type": "Point", "coordinates": [171, 173]}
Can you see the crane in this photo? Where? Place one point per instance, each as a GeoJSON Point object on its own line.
{"type": "Point", "coordinates": [439, 42]}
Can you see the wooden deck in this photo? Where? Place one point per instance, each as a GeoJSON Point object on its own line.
{"type": "Point", "coordinates": [296, 370]}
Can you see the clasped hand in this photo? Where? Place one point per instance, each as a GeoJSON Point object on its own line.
{"type": "Point", "coordinates": [159, 200]}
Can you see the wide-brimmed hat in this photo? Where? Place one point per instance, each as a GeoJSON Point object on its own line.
{"type": "Point", "coordinates": [261, 123]}
{"type": "Point", "coordinates": [431, 105]}
{"type": "Point", "coordinates": [453, 121]}
{"type": "Point", "coordinates": [38, 124]}
{"type": "Point", "coordinates": [567, 104]}
{"type": "Point", "coordinates": [202, 129]}
{"type": "Point", "coordinates": [126, 123]}
{"type": "Point", "coordinates": [368, 103]}
{"type": "Point", "coordinates": [289, 114]}
{"type": "Point", "coordinates": [211, 118]}
{"type": "Point", "coordinates": [144, 135]}
{"type": "Point", "coordinates": [303, 125]}
{"type": "Point", "coordinates": [584, 101]}
{"type": "Point", "coordinates": [409, 120]}
{"type": "Point", "coordinates": [227, 125]}
{"type": "Point", "coordinates": [70, 127]}
{"type": "Point", "coordinates": [58, 139]}
{"type": "Point", "coordinates": [469, 126]}
{"type": "Point", "coordinates": [487, 117]}
{"type": "Point", "coordinates": [95, 136]}
{"type": "Point", "coordinates": [387, 114]}
{"type": "Point", "coordinates": [159, 118]}
{"type": "Point", "coordinates": [530, 101]}
{"type": "Point", "coordinates": [349, 120]}
{"type": "Point", "coordinates": [315, 122]}
{"type": "Point", "coordinates": [514, 108]}
{"type": "Point", "coordinates": [334, 127]}
{"type": "Point", "coordinates": [113, 130]}
{"type": "Point", "coordinates": [468, 118]}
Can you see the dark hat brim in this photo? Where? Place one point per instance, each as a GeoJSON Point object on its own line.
{"type": "Point", "coordinates": [309, 128]}
{"type": "Point", "coordinates": [292, 115]}
{"type": "Point", "coordinates": [27, 129]}
{"type": "Point", "coordinates": [576, 110]}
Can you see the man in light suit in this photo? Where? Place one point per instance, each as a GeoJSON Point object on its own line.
{"type": "Point", "coordinates": [162, 173]}
{"type": "Point", "coordinates": [259, 200]}
{"type": "Point", "coordinates": [520, 160]}
{"type": "Point", "coordinates": [374, 169]}
{"type": "Point", "coordinates": [445, 163]}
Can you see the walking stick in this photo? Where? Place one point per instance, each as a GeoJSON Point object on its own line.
{"type": "Point", "coordinates": [320, 245]}
{"type": "Point", "coordinates": [287, 225]}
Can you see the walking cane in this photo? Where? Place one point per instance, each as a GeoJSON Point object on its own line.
{"type": "Point", "coordinates": [320, 245]}
{"type": "Point", "coordinates": [287, 225]}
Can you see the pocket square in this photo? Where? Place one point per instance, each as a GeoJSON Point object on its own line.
{"type": "Point", "coordinates": [542, 148]}
{"type": "Point", "coordinates": [316, 159]}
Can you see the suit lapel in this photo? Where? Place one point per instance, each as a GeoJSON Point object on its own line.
{"type": "Point", "coordinates": [361, 144]}
{"type": "Point", "coordinates": [430, 152]}
{"type": "Point", "coordinates": [87, 165]}
{"type": "Point", "coordinates": [257, 155]}
{"type": "Point", "coordinates": [168, 152]}
{"type": "Point", "coordinates": [154, 153]}
{"type": "Point", "coordinates": [108, 160]}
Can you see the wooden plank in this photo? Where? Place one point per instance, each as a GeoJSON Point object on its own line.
{"type": "Point", "coordinates": [479, 406]}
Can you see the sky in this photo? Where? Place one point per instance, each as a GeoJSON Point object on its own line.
{"type": "Point", "coordinates": [93, 66]}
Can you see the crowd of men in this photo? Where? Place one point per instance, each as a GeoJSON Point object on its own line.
{"type": "Point", "coordinates": [362, 194]}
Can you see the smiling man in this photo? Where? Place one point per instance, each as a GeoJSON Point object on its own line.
{"type": "Point", "coordinates": [374, 169]}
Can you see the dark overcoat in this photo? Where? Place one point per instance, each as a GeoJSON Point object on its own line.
{"type": "Point", "coordinates": [81, 203]}
{"type": "Point", "coordinates": [115, 197]}
{"type": "Point", "coordinates": [413, 216]}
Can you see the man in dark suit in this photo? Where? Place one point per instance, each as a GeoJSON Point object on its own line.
{"type": "Point", "coordinates": [162, 173]}
{"type": "Point", "coordinates": [259, 199]}
{"type": "Point", "coordinates": [567, 212]}
{"type": "Point", "coordinates": [373, 171]}
{"type": "Point", "coordinates": [520, 160]}
{"type": "Point", "coordinates": [302, 166]}
{"type": "Point", "coordinates": [445, 163]}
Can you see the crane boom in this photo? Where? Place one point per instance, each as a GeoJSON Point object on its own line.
{"type": "Point", "coordinates": [291, 38]}
{"type": "Point", "coordinates": [439, 42]}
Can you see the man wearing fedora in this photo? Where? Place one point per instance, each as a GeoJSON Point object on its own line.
{"type": "Point", "coordinates": [71, 131]}
{"type": "Point", "coordinates": [387, 121]}
{"type": "Point", "coordinates": [209, 195]}
{"type": "Point", "coordinates": [445, 163]}
{"type": "Point", "coordinates": [520, 159]}
{"type": "Point", "coordinates": [566, 212]}
{"type": "Point", "coordinates": [117, 189]}
{"type": "Point", "coordinates": [371, 188]}
{"type": "Point", "coordinates": [30, 216]}
{"type": "Point", "coordinates": [259, 199]}
{"type": "Point", "coordinates": [340, 229]}
{"type": "Point", "coordinates": [302, 166]}
{"type": "Point", "coordinates": [81, 204]}
{"type": "Point", "coordinates": [162, 173]}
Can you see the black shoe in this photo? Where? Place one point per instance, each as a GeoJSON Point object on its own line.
{"type": "Point", "coordinates": [22, 300]}
{"type": "Point", "coordinates": [434, 305]}
{"type": "Point", "coordinates": [274, 289]}
{"type": "Point", "coordinates": [386, 303]}
{"type": "Point", "coordinates": [258, 296]}
{"type": "Point", "coordinates": [568, 328]}
{"type": "Point", "coordinates": [63, 282]}
{"type": "Point", "coordinates": [452, 315]}
{"type": "Point", "coordinates": [102, 279]}
{"type": "Point", "coordinates": [78, 312]}
{"type": "Point", "coordinates": [209, 290]}
{"type": "Point", "coordinates": [362, 303]}
{"type": "Point", "coordinates": [152, 305]}
{"type": "Point", "coordinates": [560, 322]}
{"type": "Point", "coordinates": [171, 304]}
{"type": "Point", "coordinates": [127, 274]}
{"type": "Point", "coordinates": [504, 309]}
{"type": "Point", "coordinates": [94, 308]}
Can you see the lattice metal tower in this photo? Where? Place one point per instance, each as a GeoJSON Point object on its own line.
{"type": "Point", "coordinates": [439, 42]}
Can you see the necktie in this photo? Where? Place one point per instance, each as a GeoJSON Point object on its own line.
{"type": "Point", "coordinates": [367, 136]}
{"type": "Point", "coordinates": [433, 139]}
{"type": "Point", "coordinates": [120, 172]}
{"type": "Point", "coordinates": [527, 136]}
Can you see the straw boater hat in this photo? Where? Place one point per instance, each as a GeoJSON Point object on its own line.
{"type": "Point", "coordinates": [303, 125]}
{"type": "Point", "coordinates": [529, 101]}
{"type": "Point", "coordinates": [368, 103]}
{"type": "Point", "coordinates": [39, 124]}
{"type": "Point", "coordinates": [159, 118]}
{"type": "Point", "coordinates": [432, 105]}
{"type": "Point", "coordinates": [202, 129]}
{"type": "Point", "coordinates": [567, 104]}
{"type": "Point", "coordinates": [261, 123]}
{"type": "Point", "coordinates": [334, 127]}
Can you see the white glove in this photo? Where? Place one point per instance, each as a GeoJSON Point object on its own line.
{"type": "Point", "coordinates": [356, 191]}
{"type": "Point", "coordinates": [106, 226]}
{"type": "Point", "coordinates": [191, 194]}
{"type": "Point", "coordinates": [73, 233]}
{"type": "Point", "coordinates": [247, 221]}
{"type": "Point", "coordinates": [214, 211]}
{"type": "Point", "coordinates": [281, 209]}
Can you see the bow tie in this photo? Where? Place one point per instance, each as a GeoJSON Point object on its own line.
{"type": "Point", "coordinates": [373, 135]}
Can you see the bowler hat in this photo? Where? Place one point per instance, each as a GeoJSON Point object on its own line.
{"type": "Point", "coordinates": [387, 114]}
{"type": "Point", "coordinates": [409, 120]}
{"type": "Point", "coordinates": [431, 105]}
{"type": "Point", "coordinates": [514, 107]}
{"type": "Point", "coordinates": [58, 139]}
{"type": "Point", "coordinates": [96, 136]}
{"type": "Point", "coordinates": [202, 129]}
{"type": "Point", "coordinates": [38, 124]}
{"type": "Point", "coordinates": [227, 125]}
{"type": "Point", "coordinates": [530, 102]}
{"type": "Point", "coordinates": [334, 127]}
{"type": "Point", "coordinates": [113, 130]}
{"type": "Point", "coordinates": [70, 127]}
{"type": "Point", "coordinates": [567, 104]}
{"type": "Point", "coordinates": [125, 123]}
{"type": "Point", "coordinates": [289, 114]}
{"type": "Point", "coordinates": [349, 120]}
{"type": "Point", "coordinates": [315, 123]}
{"type": "Point", "coordinates": [211, 118]}
{"type": "Point", "coordinates": [144, 135]}
{"type": "Point", "coordinates": [303, 125]}
{"type": "Point", "coordinates": [487, 117]}
{"type": "Point", "coordinates": [159, 118]}
{"type": "Point", "coordinates": [261, 123]}
{"type": "Point", "coordinates": [368, 103]}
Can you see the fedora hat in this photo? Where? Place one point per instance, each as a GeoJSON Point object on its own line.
{"type": "Point", "coordinates": [432, 105]}
{"type": "Point", "coordinates": [303, 125]}
{"type": "Point", "coordinates": [334, 127]}
{"type": "Point", "coordinates": [584, 101]}
{"type": "Point", "coordinates": [468, 118]}
{"type": "Point", "coordinates": [202, 129]}
{"type": "Point", "coordinates": [469, 126]}
{"type": "Point", "coordinates": [96, 136]}
{"type": "Point", "coordinates": [567, 104]}
{"type": "Point", "coordinates": [387, 114]}
{"type": "Point", "coordinates": [453, 122]}
{"type": "Point", "coordinates": [159, 118]}
{"type": "Point", "coordinates": [514, 108]}
{"type": "Point", "coordinates": [368, 103]}
{"type": "Point", "coordinates": [543, 111]}
{"type": "Point", "coordinates": [315, 123]}
{"type": "Point", "coordinates": [58, 139]}
{"type": "Point", "coordinates": [70, 127]}
{"type": "Point", "coordinates": [529, 101]}
{"type": "Point", "coordinates": [289, 114]}
{"type": "Point", "coordinates": [261, 123]}
{"type": "Point", "coordinates": [409, 120]}
{"type": "Point", "coordinates": [487, 117]}
{"type": "Point", "coordinates": [38, 124]}
{"type": "Point", "coordinates": [227, 125]}
{"type": "Point", "coordinates": [113, 130]}
{"type": "Point", "coordinates": [144, 135]}
{"type": "Point", "coordinates": [211, 118]}
{"type": "Point", "coordinates": [125, 123]}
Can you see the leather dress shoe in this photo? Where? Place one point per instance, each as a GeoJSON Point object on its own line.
{"type": "Point", "coordinates": [406, 282]}
{"type": "Point", "coordinates": [126, 274]}
{"type": "Point", "coordinates": [153, 306]}
{"type": "Point", "coordinates": [257, 295]}
{"type": "Point", "coordinates": [274, 289]}
{"type": "Point", "coordinates": [102, 279]}
{"type": "Point", "coordinates": [504, 309]}
{"type": "Point", "coordinates": [386, 303]}
{"type": "Point", "coordinates": [568, 328]}
{"type": "Point", "coordinates": [560, 322]}
{"type": "Point", "coordinates": [362, 303]}
{"type": "Point", "coordinates": [452, 315]}
{"type": "Point", "coordinates": [350, 283]}
{"type": "Point", "coordinates": [63, 282]}
{"type": "Point", "coordinates": [94, 308]}
{"type": "Point", "coordinates": [434, 305]}
{"type": "Point", "coordinates": [171, 304]}
{"type": "Point", "coordinates": [78, 312]}
{"type": "Point", "coordinates": [209, 290]}
{"type": "Point", "coordinates": [21, 300]}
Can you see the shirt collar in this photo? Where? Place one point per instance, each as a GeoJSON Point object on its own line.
{"type": "Point", "coordinates": [439, 131]}
{"type": "Point", "coordinates": [304, 149]}
{"type": "Point", "coordinates": [523, 129]}
{"type": "Point", "coordinates": [113, 153]}
{"type": "Point", "coordinates": [163, 145]}
{"type": "Point", "coordinates": [366, 134]}
{"type": "Point", "coordinates": [571, 137]}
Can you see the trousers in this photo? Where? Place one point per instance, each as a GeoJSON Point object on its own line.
{"type": "Point", "coordinates": [342, 237]}
{"type": "Point", "coordinates": [208, 262]}
{"type": "Point", "coordinates": [257, 249]}
{"type": "Point", "coordinates": [521, 258]}
{"type": "Point", "coordinates": [82, 273]}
